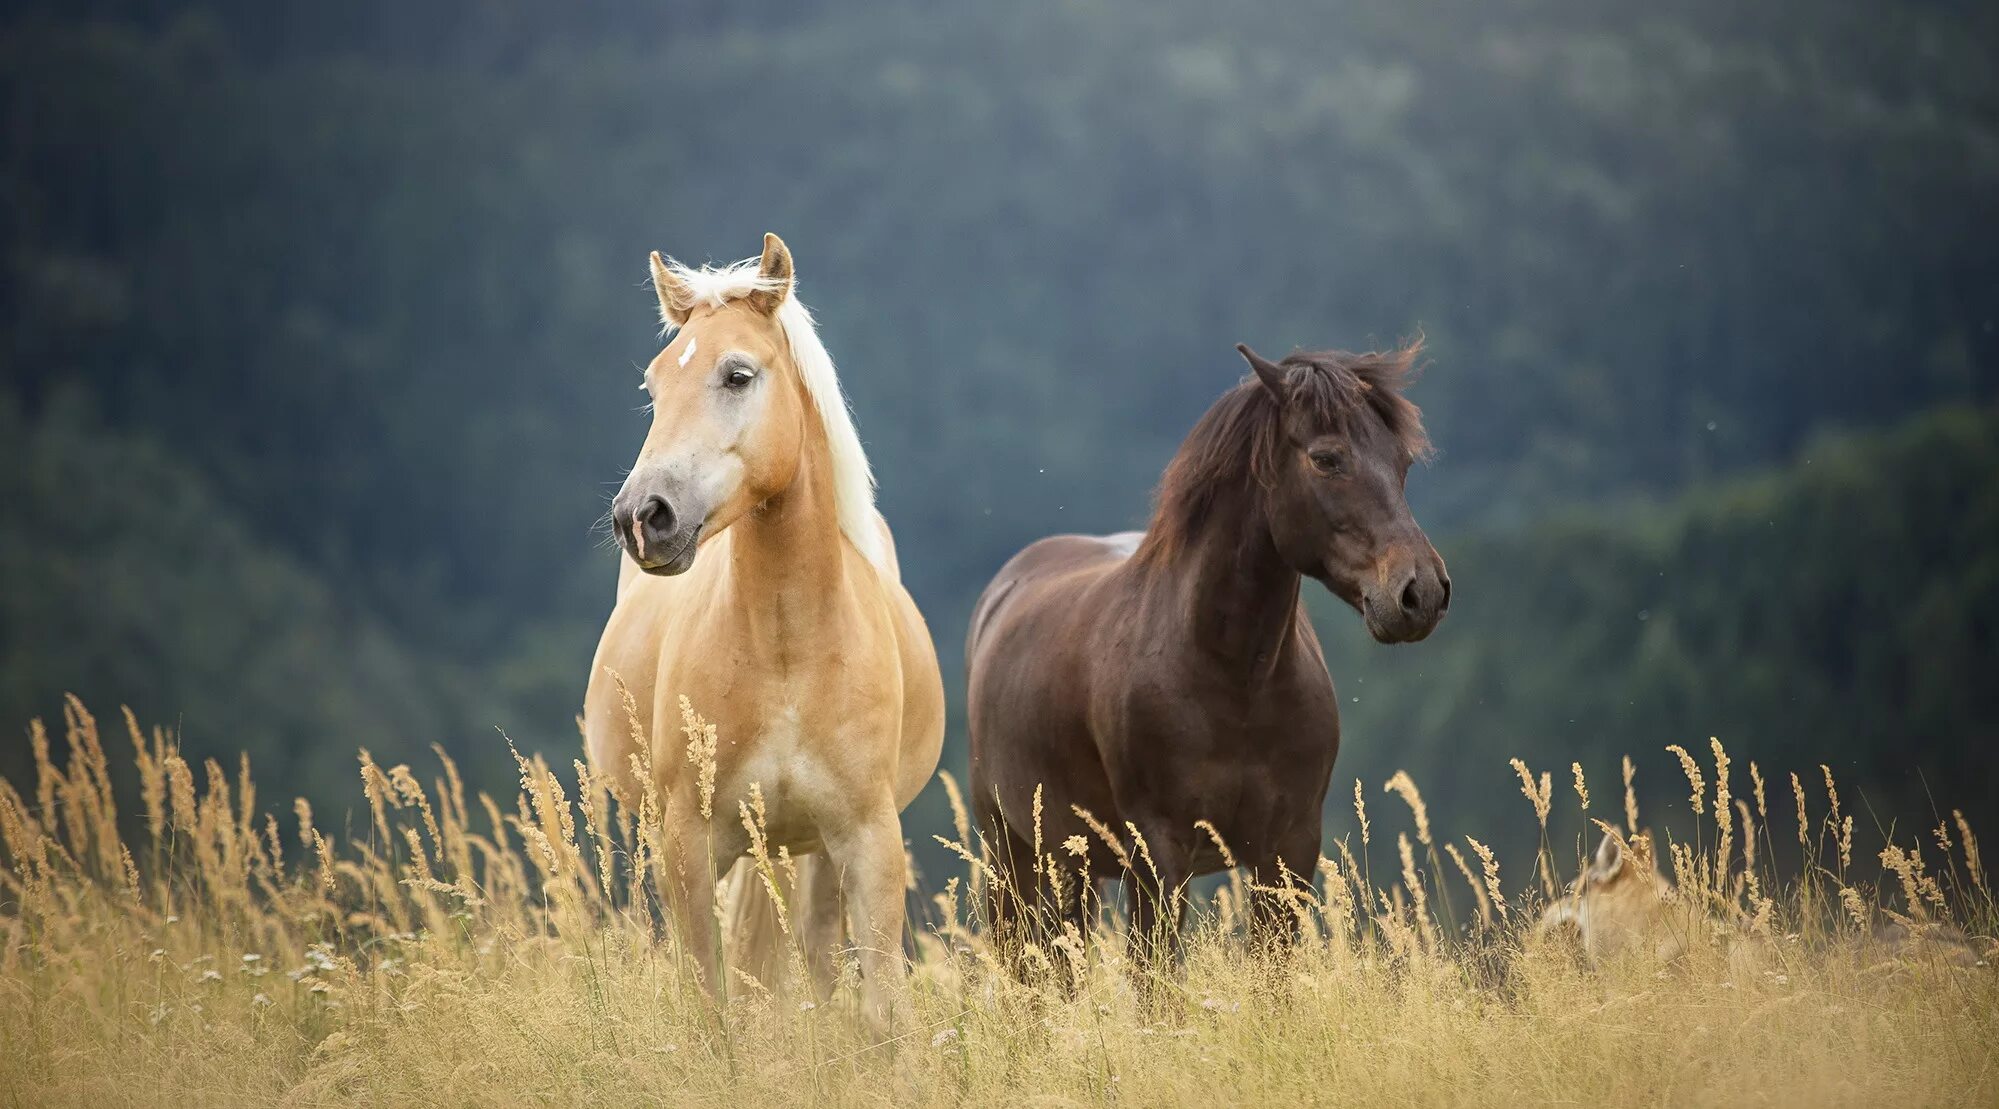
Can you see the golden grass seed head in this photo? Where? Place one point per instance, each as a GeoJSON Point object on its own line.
{"type": "Point", "coordinates": [1360, 811]}
{"type": "Point", "coordinates": [1037, 827]}
{"type": "Point", "coordinates": [1748, 836]}
{"type": "Point", "coordinates": [1404, 786]}
{"type": "Point", "coordinates": [1972, 864]}
{"type": "Point", "coordinates": [1104, 833]}
{"type": "Point", "coordinates": [1692, 769]}
{"type": "Point", "coordinates": [1144, 852]}
{"type": "Point", "coordinates": [1221, 845]}
{"type": "Point", "coordinates": [1418, 896]}
{"type": "Point", "coordinates": [1630, 796]}
{"type": "Point", "coordinates": [1490, 864]}
{"type": "Point", "coordinates": [1471, 880]}
{"type": "Point", "coordinates": [1536, 796]}
{"type": "Point", "coordinates": [1798, 791]}
{"type": "Point", "coordinates": [701, 744]}
{"type": "Point", "coordinates": [961, 818]}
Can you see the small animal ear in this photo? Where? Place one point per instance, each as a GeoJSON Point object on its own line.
{"type": "Point", "coordinates": [775, 269]}
{"type": "Point", "coordinates": [675, 301]}
{"type": "Point", "coordinates": [1271, 374]}
{"type": "Point", "coordinates": [1609, 858]}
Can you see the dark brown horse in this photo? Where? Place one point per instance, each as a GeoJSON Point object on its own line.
{"type": "Point", "coordinates": [1161, 678]}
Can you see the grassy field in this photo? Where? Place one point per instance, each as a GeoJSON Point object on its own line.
{"type": "Point", "coordinates": [456, 952]}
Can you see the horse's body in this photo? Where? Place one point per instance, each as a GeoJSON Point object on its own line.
{"type": "Point", "coordinates": [1154, 693]}
{"type": "Point", "coordinates": [791, 633]}
{"type": "Point", "coordinates": [1161, 678]}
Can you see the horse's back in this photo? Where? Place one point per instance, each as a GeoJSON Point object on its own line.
{"type": "Point", "coordinates": [1030, 656]}
{"type": "Point", "coordinates": [1057, 565]}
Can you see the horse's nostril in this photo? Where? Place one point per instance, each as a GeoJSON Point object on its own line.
{"type": "Point", "coordinates": [1410, 602]}
{"type": "Point", "coordinates": [1447, 595]}
{"type": "Point", "coordinates": [654, 515]}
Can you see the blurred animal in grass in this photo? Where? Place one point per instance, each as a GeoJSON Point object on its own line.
{"type": "Point", "coordinates": [1622, 906]}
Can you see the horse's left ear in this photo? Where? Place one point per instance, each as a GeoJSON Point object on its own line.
{"type": "Point", "coordinates": [775, 269]}
{"type": "Point", "coordinates": [1268, 372]}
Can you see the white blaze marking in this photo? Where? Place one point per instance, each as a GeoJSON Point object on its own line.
{"type": "Point", "coordinates": [689, 352]}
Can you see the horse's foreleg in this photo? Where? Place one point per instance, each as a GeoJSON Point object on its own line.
{"type": "Point", "coordinates": [1010, 916]}
{"type": "Point", "coordinates": [873, 874]}
{"type": "Point", "coordinates": [1158, 887]}
{"type": "Point", "coordinates": [819, 919]}
{"type": "Point", "coordinates": [688, 871]}
{"type": "Point", "coordinates": [1284, 878]}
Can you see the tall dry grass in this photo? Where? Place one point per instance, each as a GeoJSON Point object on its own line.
{"type": "Point", "coordinates": [464, 952]}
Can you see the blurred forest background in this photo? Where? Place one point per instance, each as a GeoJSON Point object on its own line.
{"type": "Point", "coordinates": [320, 326]}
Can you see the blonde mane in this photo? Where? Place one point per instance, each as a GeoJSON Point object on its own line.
{"type": "Point", "coordinates": [853, 479]}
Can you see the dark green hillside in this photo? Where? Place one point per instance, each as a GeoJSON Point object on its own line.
{"type": "Point", "coordinates": [168, 600]}
{"type": "Point", "coordinates": [360, 284]}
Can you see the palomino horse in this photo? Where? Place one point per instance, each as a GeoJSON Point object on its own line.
{"type": "Point", "coordinates": [762, 585]}
{"type": "Point", "coordinates": [1162, 678]}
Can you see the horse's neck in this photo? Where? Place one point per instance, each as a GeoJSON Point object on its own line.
{"type": "Point", "coordinates": [1236, 598]}
{"type": "Point", "coordinates": [787, 557]}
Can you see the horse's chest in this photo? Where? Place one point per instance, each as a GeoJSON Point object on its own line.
{"type": "Point", "coordinates": [789, 768]}
{"type": "Point", "coordinates": [1255, 779]}
{"type": "Point", "coordinates": [1252, 764]}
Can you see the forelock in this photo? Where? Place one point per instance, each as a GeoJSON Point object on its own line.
{"type": "Point", "coordinates": [1335, 386]}
{"type": "Point", "coordinates": [711, 286]}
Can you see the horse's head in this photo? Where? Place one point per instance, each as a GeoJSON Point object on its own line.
{"type": "Point", "coordinates": [1333, 478]}
{"type": "Point", "coordinates": [728, 410]}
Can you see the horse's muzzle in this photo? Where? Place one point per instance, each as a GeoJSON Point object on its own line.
{"type": "Point", "coordinates": [1411, 606]}
{"type": "Point", "coordinates": [658, 538]}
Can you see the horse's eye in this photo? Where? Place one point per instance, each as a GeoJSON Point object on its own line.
{"type": "Point", "coordinates": [1328, 462]}
{"type": "Point", "coordinates": [739, 377]}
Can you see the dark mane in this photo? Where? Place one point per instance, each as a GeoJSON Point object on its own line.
{"type": "Point", "coordinates": [1239, 435]}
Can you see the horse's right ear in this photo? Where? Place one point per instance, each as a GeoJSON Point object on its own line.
{"type": "Point", "coordinates": [1268, 372]}
{"type": "Point", "coordinates": [674, 299]}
